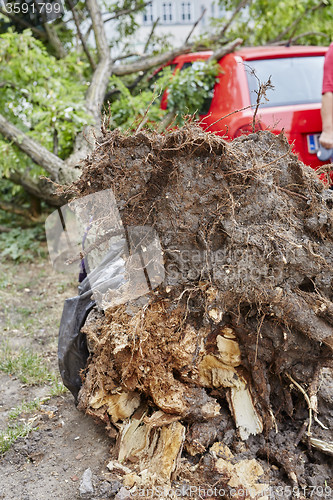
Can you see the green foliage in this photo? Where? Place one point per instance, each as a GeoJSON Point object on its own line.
{"type": "Point", "coordinates": [128, 24]}
{"type": "Point", "coordinates": [22, 244]}
{"type": "Point", "coordinates": [43, 96]}
{"type": "Point", "coordinates": [262, 21]}
{"type": "Point", "coordinates": [127, 110]}
{"type": "Point", "coordinates": [190, 89]}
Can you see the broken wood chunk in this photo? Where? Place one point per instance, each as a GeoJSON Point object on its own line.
{"type": "Point", "coordinates": [118, 406]}
{"type": "Point", "coordinates": [324, 446]}
{"type": "Point", "coordinates": [246, 417]}
{"type": "Point", "coordinates": [154, 450]}
{"type": "Point", "coordinates": [244, 475]}
{"type": "Point", "coordinates": [214, 373]}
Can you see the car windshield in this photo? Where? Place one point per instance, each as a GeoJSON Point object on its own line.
{"type": "Point", "coordinates": [296, 80]}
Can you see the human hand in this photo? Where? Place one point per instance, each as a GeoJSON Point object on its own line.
{"type": "Point", "coordinates": [326, 140]}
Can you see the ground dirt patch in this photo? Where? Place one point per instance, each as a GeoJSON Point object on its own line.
{"type": "Point", "coordinates": [61, 443]}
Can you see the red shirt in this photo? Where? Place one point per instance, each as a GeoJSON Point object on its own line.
{"type": "Point", "coordinates": [328, 71]}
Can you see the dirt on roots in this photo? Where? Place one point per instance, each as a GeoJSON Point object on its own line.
{"type": "Point", "coordinates": [220, 376]}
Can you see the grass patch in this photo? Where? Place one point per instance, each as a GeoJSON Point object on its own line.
{"type": "Point", "coordinates": [57, 388]}
{"type": "Point", "coordinates": [30, 368]}
{"type": "Point", "coordinates": [25, 407]}
{"type": "Point", "coordinates": [12, 433]}
{"type": "Point", "coordinates": [26, 365]}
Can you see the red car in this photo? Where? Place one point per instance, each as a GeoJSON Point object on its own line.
{"type": "Point", "coordinates": [294, 103]}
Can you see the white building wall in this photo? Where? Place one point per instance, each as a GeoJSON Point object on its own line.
{"type": "Point", "coordinates": [176, 17]}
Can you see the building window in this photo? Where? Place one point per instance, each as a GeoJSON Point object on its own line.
{"type": "Point", "coordinates": [186, 11]}
{"type": "Point", "coordinates": [167, 12]}
{"type": "Point", "coordinates": [148, 14]}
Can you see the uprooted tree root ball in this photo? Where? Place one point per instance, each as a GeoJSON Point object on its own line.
{"type": "Point", "coordinates": [215, 377]}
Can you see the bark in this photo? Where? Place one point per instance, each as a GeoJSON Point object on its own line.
{"type": "Point", "coordinates": [15, 209]}
{"type": "Point", "coordinates": [99, 82]}
{"type": "Point", "coordinates": [40, 155]}
{"type": "Point", "coordinates": [55, 40]}
{"type": "Point", "coordinates": [99, 30]}
{"type": "Point", "coordinates": [226, 49]}
{"type": "Point", "coordinates": [149, 62]}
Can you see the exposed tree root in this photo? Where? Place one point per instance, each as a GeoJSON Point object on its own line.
{"type": "Point", "coordinates": [210, 377]}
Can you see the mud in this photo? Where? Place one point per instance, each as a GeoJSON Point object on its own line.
{"type": "Point", "coordinates": [235, 346]}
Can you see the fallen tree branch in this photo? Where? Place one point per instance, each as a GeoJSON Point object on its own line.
{"type": "Point", "coordinates": [40, 155]}
{"type": "Point", "coordinates": [100, 79]}
{"type": "Point", "coordinates": [54, 40]}
{"type": "Point", "coordinates": [226, 49]}
{"type": "Point", "coordinates": [40, 188]}
{"type": "Point", "coordinates": [150, 62]}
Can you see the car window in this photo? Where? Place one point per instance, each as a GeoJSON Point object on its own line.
{"type": "Point", "coordinates": [296, 80]}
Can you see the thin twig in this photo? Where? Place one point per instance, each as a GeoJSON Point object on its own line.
{"type": "Point", "coordinates": [150, 35]}
{"type": "Point", "coordinates": [307, 399]}
{"type": "Point", "coordinates": [124, 12]}
{"type": "Point", "coordinates": [195, 25]}
{"type": "Point", "coordinates": [79, 33]}
{"type": "Point", "coordinates": [258, 334]}
{"type": "Point", "coordinates": [145, 116]}
{"type": "Point", "coordinates": [233, 17]}
{"type": "Point", "coordinates": [307, 33]}
{"type": "Point", "coordinates": [226, 116]}
{"type": "Point", "coordinates": [261, 94]}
